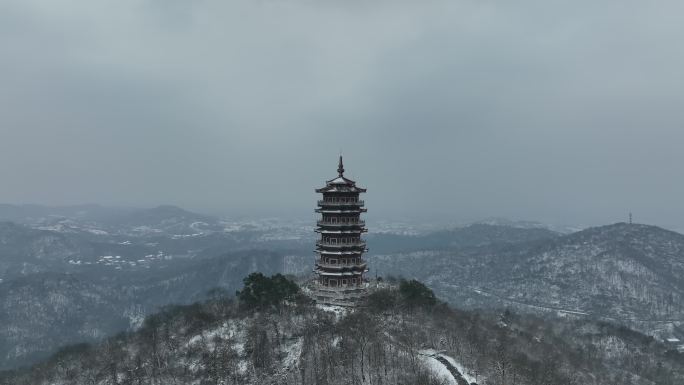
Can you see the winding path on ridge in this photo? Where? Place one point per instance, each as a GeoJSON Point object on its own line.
{"type": "Point", "coordinates": [456, 376]}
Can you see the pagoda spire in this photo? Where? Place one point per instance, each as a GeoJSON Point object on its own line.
{"type": "Point", "coordinates": [340, 167]}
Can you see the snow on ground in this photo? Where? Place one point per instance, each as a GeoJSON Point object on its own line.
{"type": "Point", "coordinates": [431, 358]}
{"type": "Point", "coordinates": [460, 368]}
{"type": "Point", "coordinates": [437, 367]}
{"type": "Point", "coordinates": [226, 331]}
{"type": "Point", "coordinates": [293, 351]}
{"type": "Point", "coordinates": [339, 311]}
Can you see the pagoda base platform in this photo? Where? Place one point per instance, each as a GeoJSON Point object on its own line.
{"type": "Point", "coordinates": [340, 296]}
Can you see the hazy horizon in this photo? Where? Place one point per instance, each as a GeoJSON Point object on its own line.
{"type": "Point", "coordinates": [451, 111]}
{"type": "Point", "coordinates": [303, 217]}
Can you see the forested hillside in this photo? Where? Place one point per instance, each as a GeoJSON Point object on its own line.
{"type": "Point", "coordinates": [401, 337]}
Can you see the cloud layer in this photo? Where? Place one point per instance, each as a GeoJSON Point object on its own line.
{"type": "Point", "coordinates": [562, 111]}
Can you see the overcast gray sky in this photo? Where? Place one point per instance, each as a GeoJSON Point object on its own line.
{"type": "Point", "coordinates": [559, 111]}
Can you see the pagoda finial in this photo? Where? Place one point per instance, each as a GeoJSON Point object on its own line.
{"type": "Point", "coordinates": [340, 167]}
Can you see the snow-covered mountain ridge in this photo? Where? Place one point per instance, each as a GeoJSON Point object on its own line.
{"type": "Point", "coordinates": [628, 273]}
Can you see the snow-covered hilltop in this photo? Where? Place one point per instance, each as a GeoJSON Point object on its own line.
{"type": "Point", "coordinates": [392, 341]}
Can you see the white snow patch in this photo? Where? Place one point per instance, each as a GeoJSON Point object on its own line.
{"type": "Point", "coordinates": [460, 368]}
{"type": "Point", "coordinates": [429, 357]}
{"type": "Point", "coordinates": [339, 311]}
{"type": "Point", "coordinates": [239, 348]}
{"type": "Point", "coordinates": [97, 232]}
{"type": "Point", "coordinates": [293, 352]}
{"type": "Point", "coordinates": [438, 369]}
{"type": "Point", "coordinates": [223, 332]}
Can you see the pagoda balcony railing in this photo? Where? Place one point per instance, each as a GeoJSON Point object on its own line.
{"type": "Point", "coordinates": [343, 290]}
{"type": "Point", "coordinates": [340, 203]}
{"type": "Point", "coordinates": [340, 224]}
{"type": "Point", "coordinates": [362, 286]}
{"type": "Point", "coordinates": [342, 209]}
{"type": "Point", "coordinates": [362, 265]}
{"type": "Point", "coordinates": [341, 302]}
{"type": "Point", "coordinates": [341, 230]}
{"type": "Point", "coordinates": [341, 244]}
{"type": "Point", "coordinates": [340, 299]}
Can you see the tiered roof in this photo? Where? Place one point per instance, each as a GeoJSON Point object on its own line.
{"type": "Point", "coordinates": [340, 184]}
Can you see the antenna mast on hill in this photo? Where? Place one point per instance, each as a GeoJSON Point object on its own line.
{"type": "Point", "coordinates": [630, 218]}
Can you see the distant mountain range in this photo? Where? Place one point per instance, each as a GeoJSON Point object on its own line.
{"type": "Point", "coordinates": [87, 271]}
{"type": "Point", "coordinates": [462, 237]}
{"type": "Point", "coordinates": [628, 273]}
{"type": "Point", "coordinates": [81, 273]}
{"type": "Point", "coordinates": [24, 250]}
{"type": "Point", "coordinates": [43, 311]}
{"type": "Point", "coordinates": [31, 213]}
{"type": "Point", "coordinates": [528, 225]}
{"type": "Point", "coordinates": [102, 220]}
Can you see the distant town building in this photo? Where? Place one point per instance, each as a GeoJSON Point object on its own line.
{"type": "Point", "coordinates": [340, 266]}
{"type": "Point", "coordinates": [675, 344]}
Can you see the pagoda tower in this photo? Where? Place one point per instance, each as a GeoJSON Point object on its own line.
{"type": "Point", "coordinates": [340, 266]}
